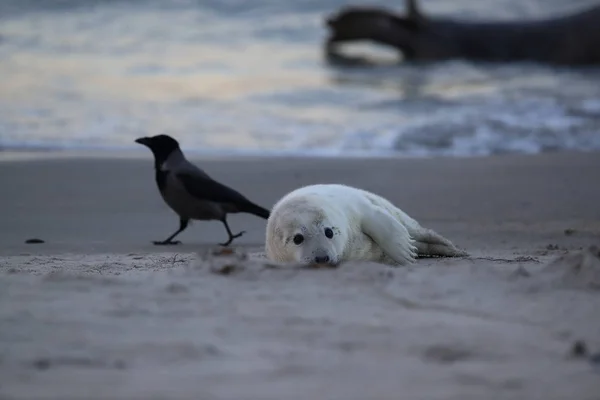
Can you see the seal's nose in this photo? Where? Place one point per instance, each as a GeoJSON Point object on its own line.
{"type": "Point", "coordinates": [322, 259]}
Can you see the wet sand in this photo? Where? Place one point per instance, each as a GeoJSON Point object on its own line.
{"type": "Point", "coordinates": [98, 312]}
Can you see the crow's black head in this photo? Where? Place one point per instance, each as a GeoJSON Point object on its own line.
{"type": "Point", "coordinates": [161, 146]}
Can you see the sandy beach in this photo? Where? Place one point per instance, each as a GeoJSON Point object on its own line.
{"type": "Point", "coordinates": [98, 312]}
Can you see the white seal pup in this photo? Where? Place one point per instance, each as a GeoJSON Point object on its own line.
{"type": "Point", "coordinates": [333, 223]}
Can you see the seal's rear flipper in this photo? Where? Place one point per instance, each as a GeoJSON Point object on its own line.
{"type": "Point", "coordinates": [390, 235]}
{"type": "Point", "coordinates": [441, 250]}
{"type": "Point", "coordinates": [431, 243]}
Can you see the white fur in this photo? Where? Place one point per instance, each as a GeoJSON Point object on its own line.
{"type": "Point", "coordinates": [366, 227]}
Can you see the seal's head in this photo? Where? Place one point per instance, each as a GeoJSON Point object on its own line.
{"type": "Point", "coordinates": [301, 231]}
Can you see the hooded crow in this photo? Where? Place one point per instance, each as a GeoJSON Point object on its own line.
{"type": "Point", "coordinates": [190, 192]}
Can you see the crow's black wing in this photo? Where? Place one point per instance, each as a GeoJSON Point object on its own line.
{"type": "Point", "coordinates": [207, 189]}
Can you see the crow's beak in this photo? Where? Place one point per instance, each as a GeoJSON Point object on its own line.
{"type": "Point", "coordinates": [143, 140]}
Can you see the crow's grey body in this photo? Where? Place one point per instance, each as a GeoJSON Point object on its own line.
{"type": "Point", "coordinates": [180, 199]}
{"type": "Point", "coordinates": [191, 192]}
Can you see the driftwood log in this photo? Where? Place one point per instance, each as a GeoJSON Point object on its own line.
{"type": "Point", "coordinates": [565, 40]}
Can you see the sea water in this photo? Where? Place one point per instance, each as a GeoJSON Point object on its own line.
{"type": "Point", "coordinates": [249, 77]}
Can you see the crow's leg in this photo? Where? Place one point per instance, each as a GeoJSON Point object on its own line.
{"type": "Point", "coordinates": [183, 223]}
{"type": "Point", "coordinates": [231, 235]}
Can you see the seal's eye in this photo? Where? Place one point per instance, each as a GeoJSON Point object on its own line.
{"type": "Point", "coordinates": [298, 238]}
{"type": "Point", "coordinates": [328, 233]}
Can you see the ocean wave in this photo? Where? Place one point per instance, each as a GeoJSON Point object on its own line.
{"type": "Point", "coordinates": [231, 78]}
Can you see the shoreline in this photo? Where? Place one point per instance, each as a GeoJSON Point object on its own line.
{"type": "Point", "coordinates": [8, 155]}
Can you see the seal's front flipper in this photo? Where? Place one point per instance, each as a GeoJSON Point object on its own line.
{"type": "Point", "coordinates": [390, 235]}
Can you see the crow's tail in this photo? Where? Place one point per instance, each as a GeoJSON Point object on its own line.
{"type": "Point", "coordinates": [256, 210]}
